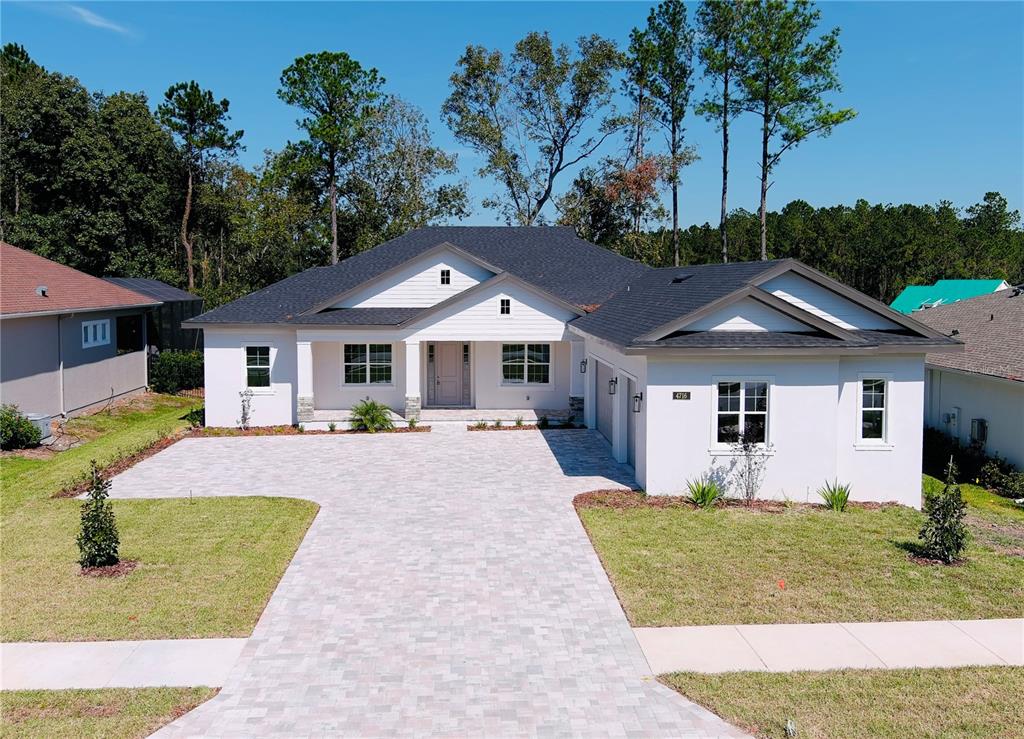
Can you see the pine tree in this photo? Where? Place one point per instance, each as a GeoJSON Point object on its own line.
{"type": "Point", "coordinates": [98, 541]}
{"type": "Point", "coordinates": [944, 534]}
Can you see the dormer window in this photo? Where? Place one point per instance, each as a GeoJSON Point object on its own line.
{"type": "Point", "coordinates": [446, 277]}
{"type": "Point", "coordinates": [505, 307]}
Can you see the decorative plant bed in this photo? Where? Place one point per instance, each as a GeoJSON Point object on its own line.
{"type": "Point", "coordinates": [511, 426]}
{"type": "Point", "coordinates": [80, 484]}
{"type": "Point", "coordinates": [294, 431]}
{"type": "Point", "coordinates": [623, 499]}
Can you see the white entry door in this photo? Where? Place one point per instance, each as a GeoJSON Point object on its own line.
{"type": "Point", "coordinates": [448, 373]}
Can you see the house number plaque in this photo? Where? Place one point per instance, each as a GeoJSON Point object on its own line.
{"type": "Point", "coordinates": [681, 395]}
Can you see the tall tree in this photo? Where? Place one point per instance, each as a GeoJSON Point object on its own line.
{"type": "Point", "coordinates": [719, 23]}
{"type": "Point", "coordinates": [784, 80]}
{"type": "Point", "coordinates": [200, 124]}
{"type": "Point", "coordinates": [339, 98]}
{"type": "Point", "coordinates": [532, 116]}
{"type": "Point", "coordinates": [672, 42]}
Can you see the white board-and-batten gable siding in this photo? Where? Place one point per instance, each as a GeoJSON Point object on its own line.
{"type": "Point", "coordinates": [417, 284]}
{"type": "Point", "coordinates": [824, 303]}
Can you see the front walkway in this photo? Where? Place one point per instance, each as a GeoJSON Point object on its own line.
{"type": "Point", "coordinates": [446, 587]}
{"type": "Point", "coordinates": [152, 663]}
{"type": "Point", "coordinates": [789, 647]}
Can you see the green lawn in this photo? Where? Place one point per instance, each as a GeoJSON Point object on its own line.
{"type": "Point", "coordinates": [206, 566]}
{"type": "Point", "coordinates": [982, 702]}
{"type": "Point", "coordinates": [680, 566]}
{"type": "Point", "coordinates": [109, 713]}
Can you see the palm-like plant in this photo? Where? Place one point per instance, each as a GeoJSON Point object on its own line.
{"type": "Point", "coordinates": [369, 415]}
{"type": "Point", "coordinates": [704, 491]}
{"type": "Point", "coordinates": [835, 495]}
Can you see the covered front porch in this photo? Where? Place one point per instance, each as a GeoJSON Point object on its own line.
{"type": "Point", "coordinates": [437, 380]}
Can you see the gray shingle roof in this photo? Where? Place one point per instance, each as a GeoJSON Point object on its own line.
{"type": "Point", "coordinates": [551, 258]}
{"type": "Point", "coordinates": [658, 296]}
{"type": "Point", "coordinates": [992, 326]}
{"type": "Point", "coordinates": [361, 316]}
{"type": "Point", "coordinates": [153, 289]}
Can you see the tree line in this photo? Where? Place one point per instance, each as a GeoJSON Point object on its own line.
{"type": "Point", "coordinates": [109, 185]}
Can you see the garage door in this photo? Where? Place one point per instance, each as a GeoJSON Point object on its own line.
{"type": "Point", "coordinates": [631, 426]}
{"type": "Point", "coordinates": [604, 401]}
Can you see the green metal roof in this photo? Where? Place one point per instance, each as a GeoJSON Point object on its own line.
{"type": "Point", "coordinates": [943, 292]}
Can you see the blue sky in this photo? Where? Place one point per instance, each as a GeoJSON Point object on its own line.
{"type": "Point", "coordinates": [939, 87]}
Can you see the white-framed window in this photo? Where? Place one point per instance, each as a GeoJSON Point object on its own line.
{"type": "Point", "coordinates": [505, 307]}
{"type": "Point", "coordinates": [257, 367]}
{"type": "Point", "coordinates": [446, 277]}
{"type": "Point", "coordinates": [525, 364]}
{"type": "Point", "coordinates": [741, 408]}
{"type": "Point", "coordinates": [367, 364]}
{"type": "Point", "coordinates": [872, 409]}
{"type": "Point", "coordinates": [95, 333]}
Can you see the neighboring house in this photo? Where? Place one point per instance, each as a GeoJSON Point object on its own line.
{"type": "Point", "coordinates": [68, 341]}
{"type": "Point", "coordinates": [978, 395]}
{"type": "Point", "coordinates": [943, 292]}
{"type": "Point", "coordinates": [667, 364]}
{"type": "Point", "coordinates": [163, 327]}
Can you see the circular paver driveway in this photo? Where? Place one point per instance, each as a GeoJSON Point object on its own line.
{"type": "Point", "coordinates": [446, 587]}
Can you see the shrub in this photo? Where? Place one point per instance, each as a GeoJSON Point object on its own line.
{"type": "Point", "coordinates": [497, 423]}
{"type": "Point", "coordinates": [172, 371]}
{"type": "Point", "coordinates": [519, 421]}
{"type": "Point", "coordinates": [836, 496]}
{"type": "Point", "coordinates": [481, 424]}
{"type": "Point", "coordinates": [704, 491]}
{"type": "Point", "coordinates": [413, 422]}
{"type": "Point", "coordinates": [16, 431]}
{"type": "Point", "coordinates": [301, 429]}
{"type": "Point", "coordinates": [751, 466]}
{"type": "Point", "coordinates": [944, 534]}
{"type": "Point", "coordinates": [245, 418]}
{"type": "Point", "coordinates": [369, 415]}
{"type": "Point", "coordinates": [97, 540]}
{"type": "Point", "coordinates": [1012, 485]}
{"type": "Point", "coordinates": [196, 417]}
{"type": "Point", "coordinates": [332, 426]}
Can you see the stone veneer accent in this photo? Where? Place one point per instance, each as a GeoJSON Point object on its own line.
{"type": "Point", "coordinates": [305, 408]}
{"type": "Point", "coordinates": [412, 407]}
{"type": "Point", "coordinates": [576, 407]}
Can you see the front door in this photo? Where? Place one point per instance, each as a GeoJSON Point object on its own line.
{"type": "Point", "coordinates": [448, 373]}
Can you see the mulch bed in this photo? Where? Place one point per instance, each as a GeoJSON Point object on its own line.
{"type": "Point", "coordinates": [625, 499]}
{"type": "Point", "coordinates": [294, 431]}
{"type": "Point", "coordinates": [120, 465]}
{"type": "Point", "coordinates": [510, 427]}
{"type": "Point", "coordinates": [121, 569]}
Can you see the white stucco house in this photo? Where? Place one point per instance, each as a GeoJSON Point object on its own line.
{"type": "Point", "coordinates": [978, 395]}
{"type": "Point", "coordinates": [669, 365]}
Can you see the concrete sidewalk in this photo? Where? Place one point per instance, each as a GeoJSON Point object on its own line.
{"type": "Point", "coordinates": [117, 664]}
{"type": "Point", "coordinates": [789, 647]}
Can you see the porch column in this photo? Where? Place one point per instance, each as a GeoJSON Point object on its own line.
{"type": "Point", "coordinates": [577, 350]}
{"type": "Point", "coordinates": [304, 381]}
{"type": "Point", "coordinates": [413, 402]}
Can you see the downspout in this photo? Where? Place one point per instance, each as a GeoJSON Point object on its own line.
{"type": "Point", "coordinates": [60, 365]}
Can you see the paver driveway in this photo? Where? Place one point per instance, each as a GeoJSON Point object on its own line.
{"type": "Point", "coordinates": [446, 587]}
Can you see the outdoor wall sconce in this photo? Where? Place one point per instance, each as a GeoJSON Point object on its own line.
{"type": "Point", "coordinates": [637, 400]}
{"type": "Point", "coordinates": [583, 366]}
{"type": "Point", "coordinates": [613, 385]}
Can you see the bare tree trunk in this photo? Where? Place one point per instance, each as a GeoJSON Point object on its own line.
{"type": "Point", "coordinates": [675, 194]}
{"type": "Point", "coordinates": [220, 262]}
{"type": "Point", "coordinates": [764, 185]}
{"type": "Point", "coordinates": [334, 220]}
{"type": "Point", "coordinates": [184, 233]}
{"type": "Point", "coordinates": [725, 168]}
{"type": "Point", "coordinates": [17, 194]}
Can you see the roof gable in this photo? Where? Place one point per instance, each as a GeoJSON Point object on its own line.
{"type": "Point", "coordinates": [22, 273]}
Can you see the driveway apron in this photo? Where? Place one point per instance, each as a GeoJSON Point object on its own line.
{"type": "Point", "coordinates": [446, 587]}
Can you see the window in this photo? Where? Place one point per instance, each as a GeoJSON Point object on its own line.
{"type": "Point", "coordinates": [742, 408]}
{"type": "Point", "coordinates": [95, 333]}
{"type": "Point", "coordinates": [367, 364]}
{"type": "Point", "coordinates": [257, 366]}
{"type": "Point", "coordinates": [505, 307]}
{"type": "Point", "coordinates": [129, 334]}
{"type": "Point", "coordinates": [872, 409]}
{"type": "Point", "coordinates": [446, 277]}
{"type": "Point", "coordinates": [525, 363]}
